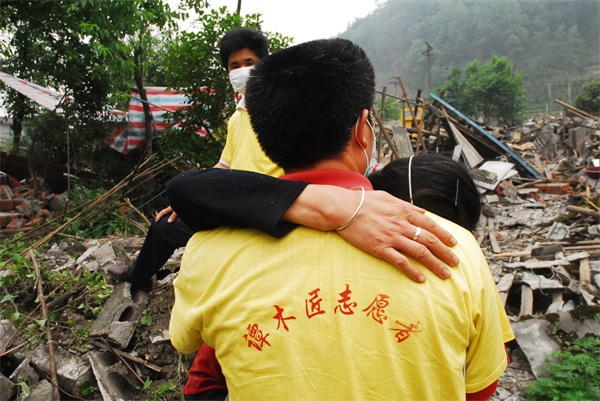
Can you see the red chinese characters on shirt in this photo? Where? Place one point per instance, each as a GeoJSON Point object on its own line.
{"type": "Point", "coordinates": [255, 337]}
{"type": "Point", "coordinates": [377, 308]}
{"type": "Point", "coordinates": [280, 319]}
{"type": "Point", "coordinates": [313, 305]}
{"type": "Point", "coordinates": [344, 305]}
{"type": "Point", "coordinates": [404, 332]}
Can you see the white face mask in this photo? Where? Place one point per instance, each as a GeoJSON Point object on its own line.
{"type": "Point", "coordinates": [239, 77]}
{"type": "Point", "coordinates": [371, 161]}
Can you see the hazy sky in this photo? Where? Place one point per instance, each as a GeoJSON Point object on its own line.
{"type": "Point", "coordinates": [304, 19]}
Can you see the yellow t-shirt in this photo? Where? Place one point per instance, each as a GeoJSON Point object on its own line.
{"type": "Point", "coordinates": [312, 317]}
{"type": "Point", "coordinates": [242, 150]}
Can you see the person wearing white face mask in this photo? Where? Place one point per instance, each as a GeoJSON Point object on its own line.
{"type": "Point", "coordinates": [240, 49]}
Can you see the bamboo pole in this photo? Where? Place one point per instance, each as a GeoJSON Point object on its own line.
{"type": "Point", "coordinates": [50, 342]}
{"type": "Point", "coordinates": [387, 136]}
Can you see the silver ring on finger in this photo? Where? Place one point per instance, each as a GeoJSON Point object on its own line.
{"type": "Point", "coordinates": [417, 234]}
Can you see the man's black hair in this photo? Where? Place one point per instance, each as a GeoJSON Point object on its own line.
{"type": "Point", "coordinates": [304, 100]}
{"type": "Point", "coordinates": [439, 184]}
{"type": "Point", "coordinates": [243, 38]}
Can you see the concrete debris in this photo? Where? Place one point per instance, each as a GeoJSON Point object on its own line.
{"type": "Point", "coordinates": [535, 342]}
{"type": "Point", "coordinates": [120, 315]}
{"type": "Point", "coordinates": [116, 323]}
{"type": "Point", "coordinates": [40, 391]}
{"type": "Point", "coordinates": [72, 370]}
{"type": "Point", "coordinates": [7, 388]}
{"type": "Point", "coordinates": [114, 380]}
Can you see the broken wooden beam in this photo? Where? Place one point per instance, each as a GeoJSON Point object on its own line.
{"type": "Point", "coordinates": [584, 211]}
{"type": "Point", "coordinates": [526, 301]}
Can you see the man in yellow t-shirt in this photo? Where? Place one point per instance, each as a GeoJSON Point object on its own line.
{"type": "Point", "coordinates": [240, 49]}
{"type": "Point", "coordinates": [310, 316]}
{"type": "Point", "coordinates": [242, 150]}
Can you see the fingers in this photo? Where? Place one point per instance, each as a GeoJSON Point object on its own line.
{"type": "Point", "coordinates": [172, 217]}
{"type": "Point", "coordinates": [421, 220]}
{"type": "Point", "coordinates": [164, 212]}
{"type": "Point", "coordinates": [402, 263]}
{"type": "Point", "coordinates": [425, 255]}
{"type": "Point", "coordinates": [433, 237]}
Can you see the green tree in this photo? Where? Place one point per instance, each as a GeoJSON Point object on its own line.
{"type": "Point", "coordinates": [589, 98]}
{"type": "Point", "coordinates": [488, 90]}
{"type": "Point", "coordinates": [85, 48]}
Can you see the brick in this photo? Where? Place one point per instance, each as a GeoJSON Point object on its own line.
{"type": "Point", "coordinates": [6, 204]}
{"type": "Point", "coordinates": [16, 223]}
{"type": "Point", "coordinates": [557, 188]}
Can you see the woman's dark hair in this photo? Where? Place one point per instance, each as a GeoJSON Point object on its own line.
{"type": "Point", "coordinates": [304, 100]}
{"type": "Point", "coordinates": [439, 185]}
{"type": "Point", "coordinates": [243, 38]}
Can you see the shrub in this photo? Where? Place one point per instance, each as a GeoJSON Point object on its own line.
{"type": "Point", "coordinates": [574, 375]}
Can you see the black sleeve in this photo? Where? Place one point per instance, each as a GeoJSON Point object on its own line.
{"type": "Point", "coordinates": [214, 197]}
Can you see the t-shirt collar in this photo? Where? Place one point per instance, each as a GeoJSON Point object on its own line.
{"type": "Point", "coordinates": [341, 178]}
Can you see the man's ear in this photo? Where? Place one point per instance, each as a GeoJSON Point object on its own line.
{"type": "Point", "coordinates": [362, 129]}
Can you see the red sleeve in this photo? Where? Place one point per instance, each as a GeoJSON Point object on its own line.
{"type": "Point", "coordinates": [484, 394]}
{"type": "Point", "coordinates": [205, 374]}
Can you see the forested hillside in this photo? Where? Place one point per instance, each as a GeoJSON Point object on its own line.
{"type": "Point", "coordinates": [556, 43]}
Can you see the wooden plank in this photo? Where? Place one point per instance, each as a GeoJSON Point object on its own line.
{"type": "Point", "coordinates": [472, 158]}
{"type": "Point", "coordinates": [503, 286]}
{"type": "Point", "coordinates": [584, 211]}
{"type": "Point", "coordinates": [539, 264]}
{"type": "Point", "coordinates": [585, 276]}
{"type": "Point", "coordinates": [577, 256]}
{"type": "Point", "coordinates": [526, 301]}
{"type": "Point", "coordinates": [402, 140]}
{"type": "Point", "coordinates": [492, 234]}
{"type": "Point", "coordinates": [518, 254]}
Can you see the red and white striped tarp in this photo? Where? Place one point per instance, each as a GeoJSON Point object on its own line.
{"type": "Point", "coordinates": [48, 98]}
{"type": "Point", "coordinates": [161, 101]}
{"type": "Point", "coordinates": [128, 137]}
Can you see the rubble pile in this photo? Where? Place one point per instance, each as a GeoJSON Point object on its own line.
{"type": "Point", "coordinates": [539, 231]}
{"type": "Point", "coordinates": [27, 203]}
{"type": "Point", "coordinates": [545, 260]}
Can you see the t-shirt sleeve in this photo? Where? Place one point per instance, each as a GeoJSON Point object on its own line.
{"type": "Point", "coordinates": [228, 150]}
{"type": "Point", "coordinates": [185, 321]}
{"type": "Point", "coordinates": [210, 198]}
{"type": "Point", "coordinates": [486, 355]}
